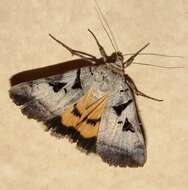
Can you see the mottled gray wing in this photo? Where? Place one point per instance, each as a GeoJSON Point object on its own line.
{"type": "Point", "coordinates": [120, 140]}
{"type": "Point", "coordinates": [46, 98]}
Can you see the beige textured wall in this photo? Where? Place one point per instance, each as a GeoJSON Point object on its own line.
{"type": "Point", "coordinates": [32, 159]}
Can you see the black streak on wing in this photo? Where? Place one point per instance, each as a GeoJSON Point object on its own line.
{"type": "Point", "coordinates": [120, 122]}
{"type": "Point", "coordinates": [65, 90]}
{"type": "Point", "coordinates": [60, 130]}
{"type": "Point", "coordinates": [119, 108]}
{"type": "Point", "coordinates": [90, 70]}
{"type": "Point", "coordinates": [128, 126]}
{"type": "Point", "coordinates": [77, 83]}
{"type": "Point", "coordinates": [75, 111]}
{"type": "Point", "coordinates": [92, 121]}
{"type": "Point", "coordinates": [124, 90]}
{"type": "Point", "coordinates": [57, 86]}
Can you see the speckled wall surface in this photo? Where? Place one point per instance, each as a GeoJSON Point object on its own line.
{"type": "Point", "coordinates": [32, 159]}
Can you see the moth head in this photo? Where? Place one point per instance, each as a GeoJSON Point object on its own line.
{"type": "Point", "coordinates": [116, 57]}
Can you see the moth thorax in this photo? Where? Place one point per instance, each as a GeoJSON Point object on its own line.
{"type": "Point", "coordinates": [115, 62]}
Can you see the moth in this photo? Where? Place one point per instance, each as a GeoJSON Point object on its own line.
{"type": "Point", "coordinates": [94, 106]}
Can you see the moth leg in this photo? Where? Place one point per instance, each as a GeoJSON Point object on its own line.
{"type": "Point", "coordinates": [138, 92]}
{"type": "Point", "coordinates": [101, 49]}
{"type": "Point", "coordinates": [83, 55]}
{"type": "Point", "coordinates": [131, 59]}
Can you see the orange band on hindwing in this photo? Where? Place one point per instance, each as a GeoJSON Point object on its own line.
{"type": "Point", "coordinates": [84, 115]}
{"type": "Point", "coordinates": [72, 114]}
{"type": "Point", "coordinates": [90, 125]}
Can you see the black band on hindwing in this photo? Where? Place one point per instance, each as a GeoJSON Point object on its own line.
{"type": "Point", "coordinates": [58, 129]}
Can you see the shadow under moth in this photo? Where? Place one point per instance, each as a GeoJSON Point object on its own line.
{"type": "Point", "coordinates": [93, 105]}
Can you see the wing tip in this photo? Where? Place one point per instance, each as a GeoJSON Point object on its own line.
{"type": "Point", "coordinates": [20, 94]}
{"type": "Point", "coordinates": [114, 156]}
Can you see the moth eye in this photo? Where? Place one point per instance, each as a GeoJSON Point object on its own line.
{"type": "Point", "coordinates": [128, 126]}
{"type": "Point", "coordinates": [57, 86]}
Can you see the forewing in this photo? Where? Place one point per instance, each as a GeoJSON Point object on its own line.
{"type": "Point", "coordinates": [45, 98]}
{"type": "Point", "coordinates": [120, 139]}
{"type": "Point", "coordinates": [60, 102]}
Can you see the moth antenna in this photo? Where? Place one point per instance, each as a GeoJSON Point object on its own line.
{"type": "Point", "coordinates": [155, 54]}
{"type": "Point", "coordinates": [103, 19]}
{"type": "Point", "coordinates": [152, 65]}
{"type": "Point", "coordinates": [103, 26]}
